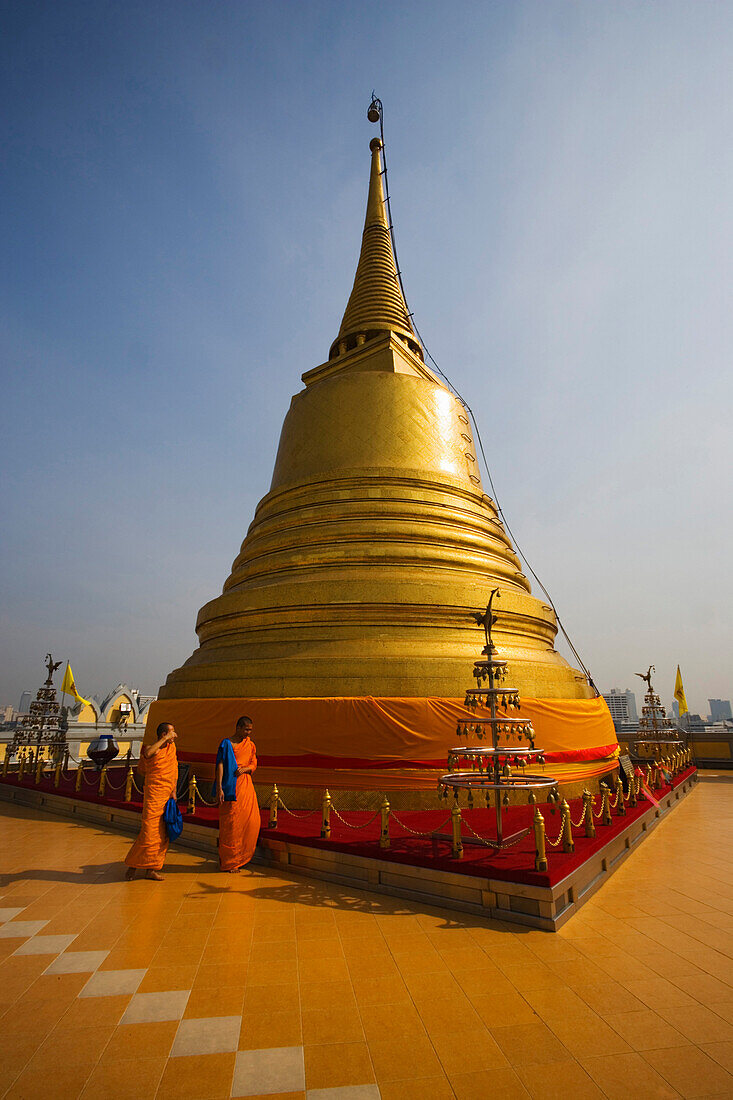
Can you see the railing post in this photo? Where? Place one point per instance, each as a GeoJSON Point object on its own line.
{"type": "Point", "coordinates": [568, 844]}
{"type": "Point", "coordinates": [620, 808]}
{"type": "Point", "coordinates": [326, 816]}
{"type": "Point", "coordinates": [57, 774]}
{"type": "Point", "coordinates": [102, 780]}
{"type": "Point", "coordinates": [21, 765]}
{"type": "Point", "coordinates": [590, 829]}
{"type": "Point", "coordinates": [274, 800]}
{"type": "Point", "coordinates": [632, 791]}
{"type": "Point", "coordinates": [456, 823]}
{"type": "Point", "coordinates": [606, 805]}
{"type": "Point", "coordinates": [39, 767]}
{"type": "Point", "coordinates": [6, 761]}
{"type": "Point", "coordinates": [192, 792]}
{"type": "Point", "coordinates": [540, 858]}
{"type": "Point", "coordinates": [384, 834]}
{"type": "Point", "coordinates": [128, 784]}
{"type": "Point", "coordinates": [79, 775]}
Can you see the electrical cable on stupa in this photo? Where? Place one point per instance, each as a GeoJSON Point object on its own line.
{"type": "Point", "coordinates": [375, 113]}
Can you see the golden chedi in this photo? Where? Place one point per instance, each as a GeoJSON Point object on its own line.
{"type": "Point", "coordinates": [345, 628]}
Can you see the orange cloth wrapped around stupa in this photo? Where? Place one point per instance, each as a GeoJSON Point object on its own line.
{"type": "Point", "coordinates": [161, 776]}
{"type": "Point", "coordinates": [239, 821]}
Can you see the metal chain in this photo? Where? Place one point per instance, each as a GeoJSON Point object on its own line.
{"type": "Point", "coordinates": [578, 824]}
{"type": "Point", "coordinates": [485, 840]}
{"type": "Point", "coordinates": [205, 801]}
{"type": "Point", "coordinates": [349, 825]}
{"type": "Point", "coordinates": [134, 783]}
{"type": "Point", "coordinates": [300, 817]}
{"type": "Point", "coordinates": [116, 786]}
{"type": "Point", "coordinates": [556, 843]}
{"type": "Point", "coordinates": [415, 832]}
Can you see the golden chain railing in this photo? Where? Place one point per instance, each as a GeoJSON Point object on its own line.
{"type": "Point", "coordinates": [417, 832]}
{"type": "Point", "coordinates": [348, 823]}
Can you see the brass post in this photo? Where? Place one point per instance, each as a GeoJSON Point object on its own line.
{"type": "Point", "coordinates": [128, 784]}
{"type": "Point", "coordinates": [21, 765]}
{"type": "Point", "coordinates": [620, 808]}
{"type": "Point", "coordinates": [532, 800]}
{"type": "Point", "coordinates": [590, 829]}
{"type": "Point", "coordinates": [632, 791]}
{"type": "Point", "coordinates": [384, 834]}
{"type": "Point", "coordinates": [606, 805]}
{"type": "Point", "coordinates": [326, 817]}
{"type": "Point", "coordinates": [6, 761]}
{"type": "Point", "coordinates": [274, 799]}
{"type": "Point", "coordinates": [57, 774]}
{"type": "Point", "coordinates": [540, 858]}
{"type": "Point", "coordinates": [568, 844]}
{"type": "Point", "coordinates": [192, 792]}
{"type": "Point", "coordinates": [39, 766]}
{"type": "Point", "coordinates": [79, 775]}
{"type": "Point", "coordinates": [102, 780]}
{"type": "Point", "coordinates": [456, 823]}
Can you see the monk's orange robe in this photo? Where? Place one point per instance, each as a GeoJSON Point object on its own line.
{"type": "Point", "coordinates": [239, 822]}
{"type": "Point", "coordinates": [161, 776]}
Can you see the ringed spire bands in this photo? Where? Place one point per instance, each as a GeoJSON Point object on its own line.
{"type": "Point", "coordinates": [376, 304]}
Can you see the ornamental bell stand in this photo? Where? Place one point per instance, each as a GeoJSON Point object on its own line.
{"type": "Point", "coordinates": [489, 768]}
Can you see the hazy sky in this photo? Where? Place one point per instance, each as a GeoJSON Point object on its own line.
{"type": "Point", "coordinates": [182, 206]}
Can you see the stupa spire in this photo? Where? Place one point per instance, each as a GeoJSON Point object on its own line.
{"type": "Point", "coordinates": [376, 304]}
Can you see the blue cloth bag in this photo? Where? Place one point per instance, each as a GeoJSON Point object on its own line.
{"type": "Point", "coordinates": [173, 819]}
{"type": "Point", "coordinates": [225, 756]}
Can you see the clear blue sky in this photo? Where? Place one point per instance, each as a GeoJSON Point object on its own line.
{"type": "Point", "coordinates": [181, 212]}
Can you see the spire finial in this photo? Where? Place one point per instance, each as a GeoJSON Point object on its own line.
{"type": "Point", "coordinates": [376, 303]}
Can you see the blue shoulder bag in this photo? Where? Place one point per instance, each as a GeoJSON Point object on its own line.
{"type": "Point", "coordinates": [173, 819]}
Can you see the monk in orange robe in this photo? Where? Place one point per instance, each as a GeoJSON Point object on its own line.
{"type": "Point", "coordinates": [159, 764]}
{"type": "Point", "coordinates": [239, 813]}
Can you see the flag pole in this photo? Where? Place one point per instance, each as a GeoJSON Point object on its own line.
{"type": "Point", "coordinates": [63, 693]}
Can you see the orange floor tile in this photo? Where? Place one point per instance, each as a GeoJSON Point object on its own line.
{"type": "Point", "coordinates": [210, 985]}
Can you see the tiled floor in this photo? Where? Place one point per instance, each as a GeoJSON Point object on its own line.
{"type": "Point", "coordinates": [209, 985]}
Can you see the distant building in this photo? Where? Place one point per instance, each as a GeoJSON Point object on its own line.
{"type": "Point", "coordinates": [25, 702]}
{"type": "Point", "coordinates": [7, 714]}
{"type": "Point", "coordinates": [122, 712]}
{"type": "Point", "coordinates": [720, 710]}
{"type": "Point", "coordinates": [622, 705]}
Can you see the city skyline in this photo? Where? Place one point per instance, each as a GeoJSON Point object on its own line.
{"type": "Point", "coordinates": [183, 208]}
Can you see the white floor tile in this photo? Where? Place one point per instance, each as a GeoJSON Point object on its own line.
{"type": "Point", "coordinates": [76, 962]}
{"type": "Point", "coordinates": [8, 914]}
{"type": "Point", "coordinates": [112, 983]}
{"type": "Point", "coordinates": [44, 945]}
{"type": "Point", "coordinates": [145, 1008]}
{"type": "Point", "coordinates": [277, 1069]}
{"type": "Point", "coordinates": [208, 1035]}
{"type": "Point", "coordinates": [23, 929]}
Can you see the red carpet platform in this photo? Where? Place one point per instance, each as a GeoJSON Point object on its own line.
{"type": "Point", "coordinates": [356, 833]}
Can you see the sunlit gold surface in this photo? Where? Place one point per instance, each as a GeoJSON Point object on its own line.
{"type": "Point", "coordinates": [376, 542]}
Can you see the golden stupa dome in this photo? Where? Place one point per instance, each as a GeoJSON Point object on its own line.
{"type": "Point", "coordinates": [376, 542]}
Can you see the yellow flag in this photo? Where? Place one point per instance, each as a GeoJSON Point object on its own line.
{"type": "Point", "coordinates": [68, 687]}
{"type": "Point", "coordinates": [679, 693]}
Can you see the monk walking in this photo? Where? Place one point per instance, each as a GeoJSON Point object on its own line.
{"type": "Point", "coordinates": [159, 764]}
{"type": "Point", "coordinates": [239, 813]}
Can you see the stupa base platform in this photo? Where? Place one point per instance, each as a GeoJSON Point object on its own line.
{"type": "Point", "coordinates": [418, 865]}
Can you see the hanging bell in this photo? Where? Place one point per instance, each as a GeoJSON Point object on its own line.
{"type": "Point", "coordinates": [374, 110]}
{"type": "Point", "coordinates": [505, 800]}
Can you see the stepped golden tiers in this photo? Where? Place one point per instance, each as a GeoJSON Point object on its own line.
{"type": "Point", "coordinates": [345, 628]}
